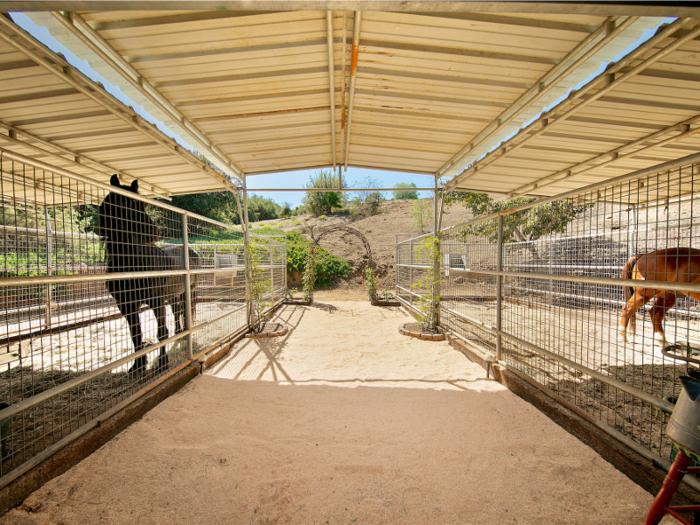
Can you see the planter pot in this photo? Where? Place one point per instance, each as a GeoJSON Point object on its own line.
{"type": "Point", "coordinates": [415, 330]}
{"type": "Point", "coordinates": [391, 302]}
{"type": "Point", "coordinates": [269, 330]}
{"type": "Point", "coordinates": [300, 302]}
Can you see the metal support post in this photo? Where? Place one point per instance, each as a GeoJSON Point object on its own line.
{"type": "Point", "coordinates": [410, 270]}
{"type": "Point", "coordinates": [499, 287]}
{"type": "Point", "coordinates": [284, 269]}
{"type": "Point", "coordinates": [49, 266]}
{"type": "Point", "coordinates": [437, 219]}
{"type": "Point", "coordinates": [248, 262]}
{"type": "Point", "coordinates": [188, 283]}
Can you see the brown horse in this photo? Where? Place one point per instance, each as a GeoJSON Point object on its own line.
{"type": "Point", "coordinates": [673, 265]}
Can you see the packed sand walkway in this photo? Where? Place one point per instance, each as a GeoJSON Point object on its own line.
{"type": "Point", "coordinates": [341, 421]}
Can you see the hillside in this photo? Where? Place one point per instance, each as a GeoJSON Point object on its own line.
{"type": "Point", "coordinates": [380, 231]}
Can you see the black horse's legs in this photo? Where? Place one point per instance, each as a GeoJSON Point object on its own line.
{"type": "Point", "coordinates": [177, 306]}
{"type": "Point", "coordinates": [158, 306]}
{"type": "Point", "coordinates": [130, 310]}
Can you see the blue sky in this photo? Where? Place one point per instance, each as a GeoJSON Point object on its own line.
{"type": "Point", "coordinates": [355, 177]}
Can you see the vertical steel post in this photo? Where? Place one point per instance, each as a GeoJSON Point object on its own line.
{"type": "Point", "coordinates": [499, 286]}
{"type": "Point", "coordinates": [49, 266]}
{"type": "Point", "coordinates": [248, 262]}
{"type": "Point", "coordinates": [410, 274]}
{"type": "Point", "coordinates": [437, 219]}
{"type": "Point", "coordinates": [188, 289]}
{"type": "Point", "coordinates": [272, 273]}
{"type": "Point", "coordinates": [284, 267]}
{"type": "Point", "coordinates": [550, 270]}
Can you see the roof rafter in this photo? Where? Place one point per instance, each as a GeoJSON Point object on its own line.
{"type": "Point", "coordinates": [58, 66]}
{"type": "Point", "coordinates": [88, 36]}
{"type": "Point", "coordinates": [606, 33]}
{"type": "Point", "coordinates": [331, 79]}
{"type": "Point", "coordinates": [353, 77]}
{"type": "Point", "coordinates": [618, 73]}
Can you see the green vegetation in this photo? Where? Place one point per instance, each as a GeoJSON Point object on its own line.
{"type": "Point", "coordinates": [309, 277]}
{"type": "Point", "coordinates": [422, 215]}
{"type": "Point", "coordinates": [527, 225]}
{"type": "Point", "coordinates": [429, 303]}
{"type": "Point", "coordinates": [370, 283]}
{"type": "Point", "coordinates": [368, 202]}
{"type": "Point", "coordinates": [405, 194]}
{"type": "Point", "coordinates": [328, 267]}
{"type": "Point", "coordinates": [322, 203]}
{"type": "Point", "coordinates": [259, 289]}
{"type": "Point", "coordinates": [322, 217]}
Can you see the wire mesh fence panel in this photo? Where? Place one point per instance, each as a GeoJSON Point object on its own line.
{"type": "Point", "coordinates": [103, 293]}
{"type": "Point", "coordinates": [577, 313]}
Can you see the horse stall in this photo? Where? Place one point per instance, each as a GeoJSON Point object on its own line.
{"type": "Point", "coordinates": [552, 308]}
{"type": "Point", "coordinates": [105, 293]}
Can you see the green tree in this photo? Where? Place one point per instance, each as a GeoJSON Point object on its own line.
{"type": "Point", "coordinates": [526, 225]}
{"type": "Point", "coordinates": [322, 203]}
{"type": "Point", "coordinates": [405, 194]}
{"type": "Point", "coordinates": [369, 202]}
{"type": "Point", "coordinates": [262, 209]}
{"type": "Point", "coordinates": [422, 215]}
{"type": "Point", "coordinates": [219, 205]}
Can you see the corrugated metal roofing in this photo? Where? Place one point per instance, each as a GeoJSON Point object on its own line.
{"type": "Point", "coordinates": [257, 85]}
{"type": "Point", "coordinates": [52, 113]}
{"type": "Point", "coordinates": [421, 93]}
{"type": "Point", "coordinates": [640, 121]}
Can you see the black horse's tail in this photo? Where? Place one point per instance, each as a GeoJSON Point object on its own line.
{"type": "Point", "coordinates": [627, 274]}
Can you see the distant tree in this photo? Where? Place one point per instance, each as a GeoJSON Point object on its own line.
{"type": "Point", "coordinates": [286, 210]}
{"type": "Point", "coordinates": [405, 194]}
{"type": "Point", "coordinates": [322, 203]}
{"type": "Point", "coordinates": [369, 202]}
{"type": "Point", "coordinates": [422, 214]}
{"type": "Point", "coordinates": [262, 209]}
{"type": "Point", "coordinates": [526, 225]}
{"type": "Point", "coordinates": [220, 205]}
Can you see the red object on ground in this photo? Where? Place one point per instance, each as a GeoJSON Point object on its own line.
{"type": "Point", "coordinates": [660, 507]}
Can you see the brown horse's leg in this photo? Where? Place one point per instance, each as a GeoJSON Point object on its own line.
{"type": "Point", "coordinates": [664, 301]}
{"type": "Point", "coordinates": [640, 297]}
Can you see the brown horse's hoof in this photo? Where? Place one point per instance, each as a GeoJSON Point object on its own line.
{"type": "Point", "coordinates": [139, 366]}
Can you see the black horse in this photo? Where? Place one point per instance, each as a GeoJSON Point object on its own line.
{"type": "Point", "coordinates": [129, 235]}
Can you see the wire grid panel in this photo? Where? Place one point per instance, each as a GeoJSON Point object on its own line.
{"type": "Point", "coordinates": [643, 229]}
{"type": "Point", "coordinates": [70, 327]}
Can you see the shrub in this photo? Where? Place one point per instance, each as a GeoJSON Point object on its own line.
{"type": "Point", "coordinates": [405, 194]}
{"type": "Point", "coordinates": [328, 267]}
{"type": "Point", "coordinates": [428, 304]}
{"type": "Point", "coordinates": [322, 217]}
{"type": "Point", "coordinates": [368, 202]}
{"type": "Point", "coordinates": [422, 215]}
{"type": "Point", "coordinates": [370, 283]}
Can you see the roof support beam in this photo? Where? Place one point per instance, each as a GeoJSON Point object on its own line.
{"type": "Point", "coordinates": [331, 79]}
{"type": "Point", "coordinates": [343, 82]}
{"type": "Point", "coordinates": [613, 156]}
{"type": "Point", "coordinates": [77, 160]}
{"type": "Point", "coordinates": [74, 23]}
{"type": "Point", "coordinates": [434, 6]}
{"type": "Point", "coordinates": [585, 96]}
{"type": "Point", "coordinates": [353, 76]}
{"type": "Point", "coordinates": [605, 34]}
{"type": "Point", "coordinates": [57, 65]}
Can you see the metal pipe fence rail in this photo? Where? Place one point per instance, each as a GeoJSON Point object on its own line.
{"type": "Point", "coordinates": [550, 307]}
{"type": "Point", "coordinates": [103, 294]}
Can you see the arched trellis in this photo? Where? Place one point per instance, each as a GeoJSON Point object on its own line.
{"type": "Point", "coordinates": [347, 230]}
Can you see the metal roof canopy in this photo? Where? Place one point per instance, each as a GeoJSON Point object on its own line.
{"type": "Point", "coordinates": [53, 113]}
{"type": "Point", "coordinates": [421, 92]}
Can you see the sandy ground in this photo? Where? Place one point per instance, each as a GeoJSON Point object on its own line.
{"type": "Point", "coordinates": [341, 421]}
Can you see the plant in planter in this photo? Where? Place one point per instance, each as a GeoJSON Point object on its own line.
{"type": "Point", "coordinates": [429, 303]}
{"type": "Point", "coordinates": [309, 277]}
{"type": "Point", "coordinates": [370, 283]}
{"type": "Point", "coordinates": [259, 291]}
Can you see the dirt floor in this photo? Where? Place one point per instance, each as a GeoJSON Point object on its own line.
{"type": "Point", "coordinates": [341, 421]}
